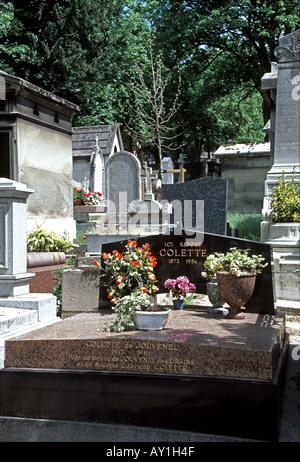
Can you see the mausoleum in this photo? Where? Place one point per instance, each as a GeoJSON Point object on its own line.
{"type": "Point", "coordinates": [245, 167]}
{"type": "Point", "coordinates": [36, 150]}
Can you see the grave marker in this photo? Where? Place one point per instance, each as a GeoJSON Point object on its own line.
{"type": "Point", "coordinates": [123, 184]}
{"type": "Point", "coordinates": [213, 191]}
{"type": "Point", "coordinates": [180, 256]}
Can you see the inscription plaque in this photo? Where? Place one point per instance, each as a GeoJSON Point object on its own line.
{"type": "Point", "coordinates": [194, 343]}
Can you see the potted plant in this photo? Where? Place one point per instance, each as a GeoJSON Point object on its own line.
{"type": "Point", "coordinates": [179, 288]}
{"type": "Point", "coordinates": [46, 248]}
{"type": "Point", "coordinates": [129, 280]}
{"type": "Point", "coordinates": [236, 273]}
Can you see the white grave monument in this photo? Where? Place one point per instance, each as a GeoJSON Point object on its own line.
{"type": "Point", "coordinates": [14, 280]}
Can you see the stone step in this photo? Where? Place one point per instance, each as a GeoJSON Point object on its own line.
{"type": "Point", "coordinates": [13, 319]}
{"type": "Point", "coordinates": [15, 322]}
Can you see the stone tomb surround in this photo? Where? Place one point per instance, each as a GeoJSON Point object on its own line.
{"type": "Point", "coordinates": [199, 365]}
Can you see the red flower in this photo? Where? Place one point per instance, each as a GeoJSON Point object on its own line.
{"type": "Point", "coordinates": [115, 253]}
{"type": "Point", "coordinates": [120, 256]}
{"type": "Point", "coordinates": [95, 262]}
{"type": "Point", "coordinates": [131, 262]}
{"type": "Point", "coordinates": [146, 246]}
{"type": "Point", "coordinates": [137, 263]}
{"type": "Point", "coordinates": [143, 289]}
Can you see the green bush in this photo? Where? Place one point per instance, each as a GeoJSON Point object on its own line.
{"type": "Point", "coordinates": [285, 202]}
{"type": "Point", "coordinates": [247, 224]}
{"type": "Point", "coordinates": [39, 240]}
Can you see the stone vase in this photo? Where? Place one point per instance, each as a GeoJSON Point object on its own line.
{"type": "Point", "coordinates": [151, 320]}
{"type": "Point", "coordinates": [213, 293]}
{"type": "Point", "coordinates": [235, 291]}
{"type": "Point", "coordinates": [178, 304]}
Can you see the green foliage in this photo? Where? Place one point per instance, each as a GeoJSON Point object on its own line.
{"type": "Point", "coordinates": [247, 224]}
{"type": "Point", "coordinates": [236, 261]}
{"type": "Point", "coordinates": [39, 240]}
{"type": "Point", "coordinates": [125, 310]}
{"type": "Point", "coordinates": [285, 202]}
{"type": "Point", "coordinates": [57, 290]}
{"type": "Point", "coordinates": [86, 51]}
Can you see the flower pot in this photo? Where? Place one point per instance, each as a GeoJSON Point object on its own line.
{"type": "Point", "coordinates": [178, 304]}
{"type": "Point", "coordinates": [77, 201]}
{"type": "Point", "coordinates": [151, 320]}
{"type": "Point", "coordinates": [213, 293]}
{"type": "Point", "coordinates": [236, 291]}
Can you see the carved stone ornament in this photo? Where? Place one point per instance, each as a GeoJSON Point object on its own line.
{"type": "Point", "coordinates": [289, 47]}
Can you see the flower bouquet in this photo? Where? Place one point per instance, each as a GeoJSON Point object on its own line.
{"type": "Point", "coordinates": [179, 289]}
{"type": "Point", "coordinates": [128, 277]}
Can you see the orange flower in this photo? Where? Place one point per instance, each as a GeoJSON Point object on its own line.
{"type": "Point", "coordinates": [95, 263]}
{"type": "Point", "coordinates": [137, 263]}
{"type": "Point", "coordinates": [110, 295]}
{"type": "Point", "coordinates": [115, 253]}
{"type": "Point", "coordinates": [152, 277]}
{"type": "Point", "coordinates": [146, 246]}
{"type": "Point", "coordinates": [132, 243]}
{"type": "Point", "coordinates": [148, 254]}
{"type": "Point", "coordinates": [120, 256]}
{"type": "Point", "coordinates": [131, 262]}
{"type": "Point", "coordinates": [152, 263]}
{"type": "Point", "coordinates": [143, 289]}
{"type": "Point", "coordinates": [104, 255]}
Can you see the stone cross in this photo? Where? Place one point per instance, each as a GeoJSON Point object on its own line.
{"type": "Point", "coordinates": [148, 176]}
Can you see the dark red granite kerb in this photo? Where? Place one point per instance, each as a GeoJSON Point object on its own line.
{"type": "Point", "coordinates": [194, 343]}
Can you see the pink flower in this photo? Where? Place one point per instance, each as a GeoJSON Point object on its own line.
{"type": "Point", "coordinates": [192, 288]}
{"type": "Point", "coordinates": [170, 284]}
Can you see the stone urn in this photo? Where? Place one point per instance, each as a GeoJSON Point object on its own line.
{"type": "Point", "coordinates": [213, 293]}
{"type": "Point", "coordinates": [235, 291]}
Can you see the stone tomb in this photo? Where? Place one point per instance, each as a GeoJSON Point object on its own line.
{"type": "Point", "coordinates": [202, 373]}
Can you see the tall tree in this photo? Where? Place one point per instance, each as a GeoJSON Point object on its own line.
{"type": "Point", "coordinates": [154, 119]}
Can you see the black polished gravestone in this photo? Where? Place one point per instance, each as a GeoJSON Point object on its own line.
{"type": "Point", "coordinates": [186, 198]}
{"type": "Point", "coordinates": [184, 255]}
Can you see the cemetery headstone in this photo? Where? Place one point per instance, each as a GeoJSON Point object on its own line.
{"type": "Point", "coordinates": [167, 164]}
{"type": "Point", "coordinates": [123, 181]}
{"type": "Point", "coordinates": [213, 191]}
{"type": "Point", "coordinates": [178, 255]}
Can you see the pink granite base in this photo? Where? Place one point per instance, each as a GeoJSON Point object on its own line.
{"type": "Point", "coordinates": [194, 342]}
{"type": "Point", "coordinates": [43, 280]}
